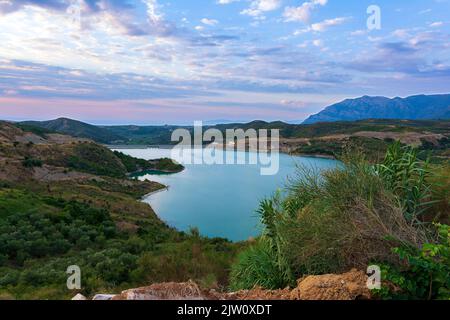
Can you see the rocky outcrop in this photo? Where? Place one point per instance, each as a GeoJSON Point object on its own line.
{"type": "Point", "coordinates": [348, 286]}
{"type": "Point", "coordinates": [166, 291]}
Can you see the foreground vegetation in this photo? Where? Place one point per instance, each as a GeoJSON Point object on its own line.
{"type": "Point", "coordinates": [355, 216]}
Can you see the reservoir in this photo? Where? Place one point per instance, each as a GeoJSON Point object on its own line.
{"type": "Point", "coordinates": [220, 200]}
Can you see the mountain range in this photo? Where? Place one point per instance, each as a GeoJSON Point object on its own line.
{"type": "Point", "coordinates": [348, 116]}
{"type": "Point", "coordinates": [420, 107]}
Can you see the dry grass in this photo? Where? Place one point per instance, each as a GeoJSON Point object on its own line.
{"type": "Point", "coordinates": [350, 220]}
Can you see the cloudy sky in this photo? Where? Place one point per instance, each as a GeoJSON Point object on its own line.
{"type": "Point", "coordinates": [176, 61]}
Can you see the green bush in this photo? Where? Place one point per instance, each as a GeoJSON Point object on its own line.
{"type": "Point", "coordinates": [5, 184]}
{"type": "Point", "coordinates": [206, 261]}
{"type": "Point", "coordinates": [32, 162]}
{"type": "Point", "coordinates": [407, 176]}
{"type": "Point", "coordinates": [426, 275]}
{"type": "Point", "coordinates": [345, 219]}
{"type": "Point", "coordinates": [257, 266]}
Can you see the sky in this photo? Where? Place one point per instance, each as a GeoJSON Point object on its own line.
{"type": "Point", "coordinates": [178, 61]}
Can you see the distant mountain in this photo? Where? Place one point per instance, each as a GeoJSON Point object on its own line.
{"type": "Point", "coordinates": [220, 121]}
{"type": "Point", "coordinates": [420, 107]}
{"type": "Point", "coordinates": [161, 135]}
{"type": "Point", "coordinates": [77, 129]}
{"type": "Point", "coordinates": [144, 135]}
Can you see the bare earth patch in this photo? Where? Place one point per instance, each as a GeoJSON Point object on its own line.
{"type": "Point", "coordinates": [348, 286]}
{"type": "Point", "coordinates": [410, 138]}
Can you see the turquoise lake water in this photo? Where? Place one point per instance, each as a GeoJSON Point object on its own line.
{"type": "Point", "coordinates": [220, 200]}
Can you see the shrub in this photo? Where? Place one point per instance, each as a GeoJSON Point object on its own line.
{"type": "Point", "coordinates": [31, 163]}
{"type": "Point", "coordinates": [344, 219]}
{"type": "Point", "coordinates": [426, 275]}
{"type": "Point", "coordinates": [440, 180]}
{"type": "Point", "coordinates": [5, 184]}
{"type": "Point", "coordinates": [3, 259]}
{"type": "Point", "coordinates": [407, 177]}
{"type": "Point", "coordinates": [202, 260]}
{"type": "Point", "coordinates": [257, 266]}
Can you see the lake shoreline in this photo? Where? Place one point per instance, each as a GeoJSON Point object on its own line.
{"type": "Point", "coordinates": [196, 192]}
{"type": "Point", "coordinates": [162, 189]}
{"type": "Point", "coordinates": [166, 147]}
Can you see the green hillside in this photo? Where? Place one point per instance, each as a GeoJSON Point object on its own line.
{"type": "Point", "coordinates": [75, 128]}
{"type": "Point", "coordinates": [162, 134]}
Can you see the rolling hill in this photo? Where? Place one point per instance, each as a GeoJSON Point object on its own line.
{"type": "Point", "coordinates": [322, 138]}
{"type": "Point", "coordinates": [419, 107]}
{"type": "Point", "coordinates": [143, 135]}
{"type": "Point", "coordinates": [77, 129]}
